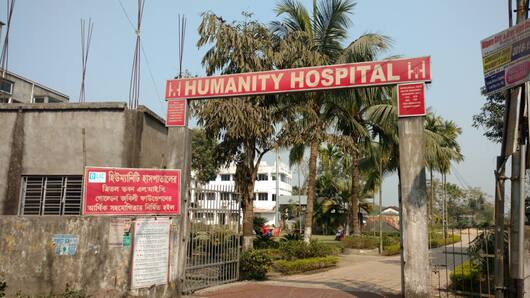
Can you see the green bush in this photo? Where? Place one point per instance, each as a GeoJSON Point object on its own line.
{"type": "Point", "coordinates": [257, 224]}
{"type": "Point", "coordinates": [291, 250]}
{"type": "Point", "coordinates": [392, 249]}
{"type": "Point", "coordinates": [273, 253]}
{"type": "Point", "coordinates": [465, 275]}
{"type": "Point", "coordinates": [292, 237]}
{"type": "Point", "coordinates": [437, 240]}
{"type": "Point", "coordinates": [303, 265]}
{"type": "Point", "coordinates": [3, 286]}
{"type": "Point", "coordinates": [254, 264]}
{"type": "Point", "coordinates": [264, 241]}
{"type": "Point", "coordinates": [360, 242]}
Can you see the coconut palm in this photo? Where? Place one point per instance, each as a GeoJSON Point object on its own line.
{"type": "Point", "coordinates": [325, 28]}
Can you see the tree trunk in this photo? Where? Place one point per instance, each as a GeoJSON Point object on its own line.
{"type": "Point", "coordinates": [311, 178]}
{"type": "Point", "coordinates": [355, 193]}
{"type": "Point", "coordinates": [248, 217]}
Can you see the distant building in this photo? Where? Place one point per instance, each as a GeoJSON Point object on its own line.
{"type": "Point", "coordinates": [15, 88]}
{"type": "Point", "coordinates": [265, 187]}
{"type": "Point", "coordinates": [392, 210]}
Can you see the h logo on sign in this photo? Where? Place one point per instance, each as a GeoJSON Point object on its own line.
{"type": "Point", "coordinates": [416, 71]}
{"type": "Point", "coordinates": [173, 89]}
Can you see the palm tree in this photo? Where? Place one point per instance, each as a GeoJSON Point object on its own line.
{"type": "Point", "coordinates": [324, 30]}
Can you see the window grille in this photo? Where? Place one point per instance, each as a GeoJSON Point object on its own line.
{"type": "Point", "coordinates": [262, 177]}
{"type": "Point", "coordinates": [262, 196]}
{"type": "Point", "coordinates": [225, 177]}
{"type": "Point", "coordinates": [51, 195]}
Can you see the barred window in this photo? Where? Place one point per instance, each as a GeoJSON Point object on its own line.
{"type": "Point", "coordinates": [51, 195]}
{"type": "Point", "coordinates": [263, 196]}
{"type": "Point", "coordinates": [262, 177]}
{"type": "Point", "coordinates": [225, 196]}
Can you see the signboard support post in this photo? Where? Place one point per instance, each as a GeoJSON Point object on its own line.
{"type": "Point", "coordinates": [179, 157]}
{"type": "Point", "coordinates": [517, 221]}
{"type": "Point", "coordinates": [415, 253]}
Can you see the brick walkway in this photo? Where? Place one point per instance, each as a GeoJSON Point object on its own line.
{"type": "Point", "coordinates": [355, 276]}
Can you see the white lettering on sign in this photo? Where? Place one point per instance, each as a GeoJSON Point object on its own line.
{"type": "Point", "coordinates": [302, 79]}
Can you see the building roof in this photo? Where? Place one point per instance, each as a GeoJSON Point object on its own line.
{"type": "Point", "coordinates": [36, 84]}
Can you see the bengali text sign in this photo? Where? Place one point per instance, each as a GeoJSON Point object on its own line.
{"type": "Point", "coordinates": [411, 100]}
{"type": "Point", "coordinates": [123, 191]}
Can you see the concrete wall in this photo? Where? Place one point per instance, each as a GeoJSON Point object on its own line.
{"type": "Point", "coordinates": [28, 261]}
{"type": "Point", "coordinates": [60, 139]}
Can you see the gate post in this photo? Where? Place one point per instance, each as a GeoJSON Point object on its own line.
{"type": "Point", "coordinates": [416, 271]}
{"type": "Point", "coordinates": [179, 157]}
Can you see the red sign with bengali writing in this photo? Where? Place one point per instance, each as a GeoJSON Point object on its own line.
{"type": "Point", "coordinates": [411, 100]}
{"type": "Point", "coordinates": [385, 72]}
{"type": "Point", "coordinates": [123, 191]}
{"type": "Point", "coordinates": [176, 112]}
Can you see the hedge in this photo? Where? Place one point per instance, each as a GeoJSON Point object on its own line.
{"type": "Point", "coordinates": [254, 264]}
{"type": "Point", "coordinates": [392, 249]}
{"type": "Point", "coordinates": [303, 265]}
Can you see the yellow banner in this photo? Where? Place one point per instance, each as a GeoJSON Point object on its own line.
{"type": "Point", "coordinates": [497, 59]}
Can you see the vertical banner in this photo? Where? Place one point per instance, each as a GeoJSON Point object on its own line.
{"type": "Point", "coordinates": [150, 252]}
{"type": "Point", "coordinates": [176, 113]}
{"type": "Point", "coordinates": [411, 99]}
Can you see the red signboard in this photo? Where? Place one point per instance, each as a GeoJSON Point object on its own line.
{"type": "Point", "coordinates": [411, 100]}
{"type": "Point", "coordinates": [121, 191]}
{"type": "Point", "coordinates": [303, 79]}
{"type": "Point", "coordinates": [176, 112]}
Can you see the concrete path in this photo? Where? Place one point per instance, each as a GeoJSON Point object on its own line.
{"type": "Point", "coordinates": [355, 276]}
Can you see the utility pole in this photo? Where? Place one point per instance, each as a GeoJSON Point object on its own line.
{"type": "Point", "coordinates": [416, 271]}
{"type": "Point", "coordinates": [380, 208]}
{"type": "Point", "coordinates": [277, 213]}
{"type": "Point", "coordinates": [518, 177]}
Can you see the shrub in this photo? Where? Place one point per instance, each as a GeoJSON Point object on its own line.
{"type": "Point", "coordinates": [303, 265]}
{"type": "Point", "coordinates": [264, 241]}
{"type": "Point", "coordinates": [437, 240]}
{"type": "Point", "coordinates": [273, 253]}
{"type": "Point", "coordinates": [257, 224]}
{"type": "Point", "coordinates": [361, 242]}
{"type": "Point", "coordinates": [465, 274]}
{"type": "Point", "coordinates": [254, 264]}
{"type": "Point", "coordinates": [291, 250]}
{"type": "Point", "coordinates": [392, 249]}
{"type": "Point", "coordinates": [294, 236]}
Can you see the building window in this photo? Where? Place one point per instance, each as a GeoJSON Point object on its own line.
{"type": "Point", "coordinates": [274, 197]}
{"type": "Point", "coordinates": [273, 177]}
{"type": "Point", "coordinates": [206, 196]}
{"type": "Point", "coordinates": [225, 196]}
{"type": "Point", "coordinates": [262, 177]}
{"type": "Point", "coordinates": [6, 86]}
{"type": "Point", "coordinates": [263, 196]}
{"type": "Point", "coordinates": [283, 178]}
{"type": "Point", "coordinates": [51, 195]}
{"type": "Point", "coordinates": [225, 177]}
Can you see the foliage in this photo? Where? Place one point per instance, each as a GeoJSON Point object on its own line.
{"type": "Point", "coordinates": [392, 249]}
{"type": "Point", "coordinates": [203, 162]}
{"type": "Point", "coordinates": [465, 275]}
{"type": "Point", "coordinates": [257, 224]}
{"type": "Point", "coordinates": [245, 126]}
{"type": "Point", "coordinates": [491, 117]}
{"type": "Point", "coordinates": [293, 236]}
{"type": "Point", "coordinates": [303, 265]}
{"type": "Point", "coordinates": [254, 264]}
{"type": "Point", "coordinates": [265, 241]}
{"type": "Point", "coordinates": [361, 242]}
{"type": "Point", "coordinates": [437, 239]}
{"type": "Point", "coordinates": [291, 250]}
{"type": "Point", "coordinates": [273, 253]}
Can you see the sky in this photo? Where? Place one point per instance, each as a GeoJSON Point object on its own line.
{"type": "Point", "coordinates": [45, 46]}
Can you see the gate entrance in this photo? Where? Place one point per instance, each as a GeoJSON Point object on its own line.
{"type": "Point", "coordinates": [214, 238]}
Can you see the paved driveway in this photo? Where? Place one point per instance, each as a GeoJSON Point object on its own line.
{"type": "Point", "coordinates": [355, 276]}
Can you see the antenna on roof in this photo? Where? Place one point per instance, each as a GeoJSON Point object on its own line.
{"type": "Point", "coordinates": [182, 37]}
{"type": "Point", "coordinates": [134, 89]}
{"type": "Point", "coordinates": [86, 38]}
{"type": "Point", "coordinates": [5, 49]}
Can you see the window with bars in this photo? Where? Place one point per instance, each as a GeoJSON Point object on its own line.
{"type": "Point", "coordinates": [51, 195]}
{"type": "Point", "coordinates": [262, 177]}
{"type": "Point", "coordinates": [263, 196]}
